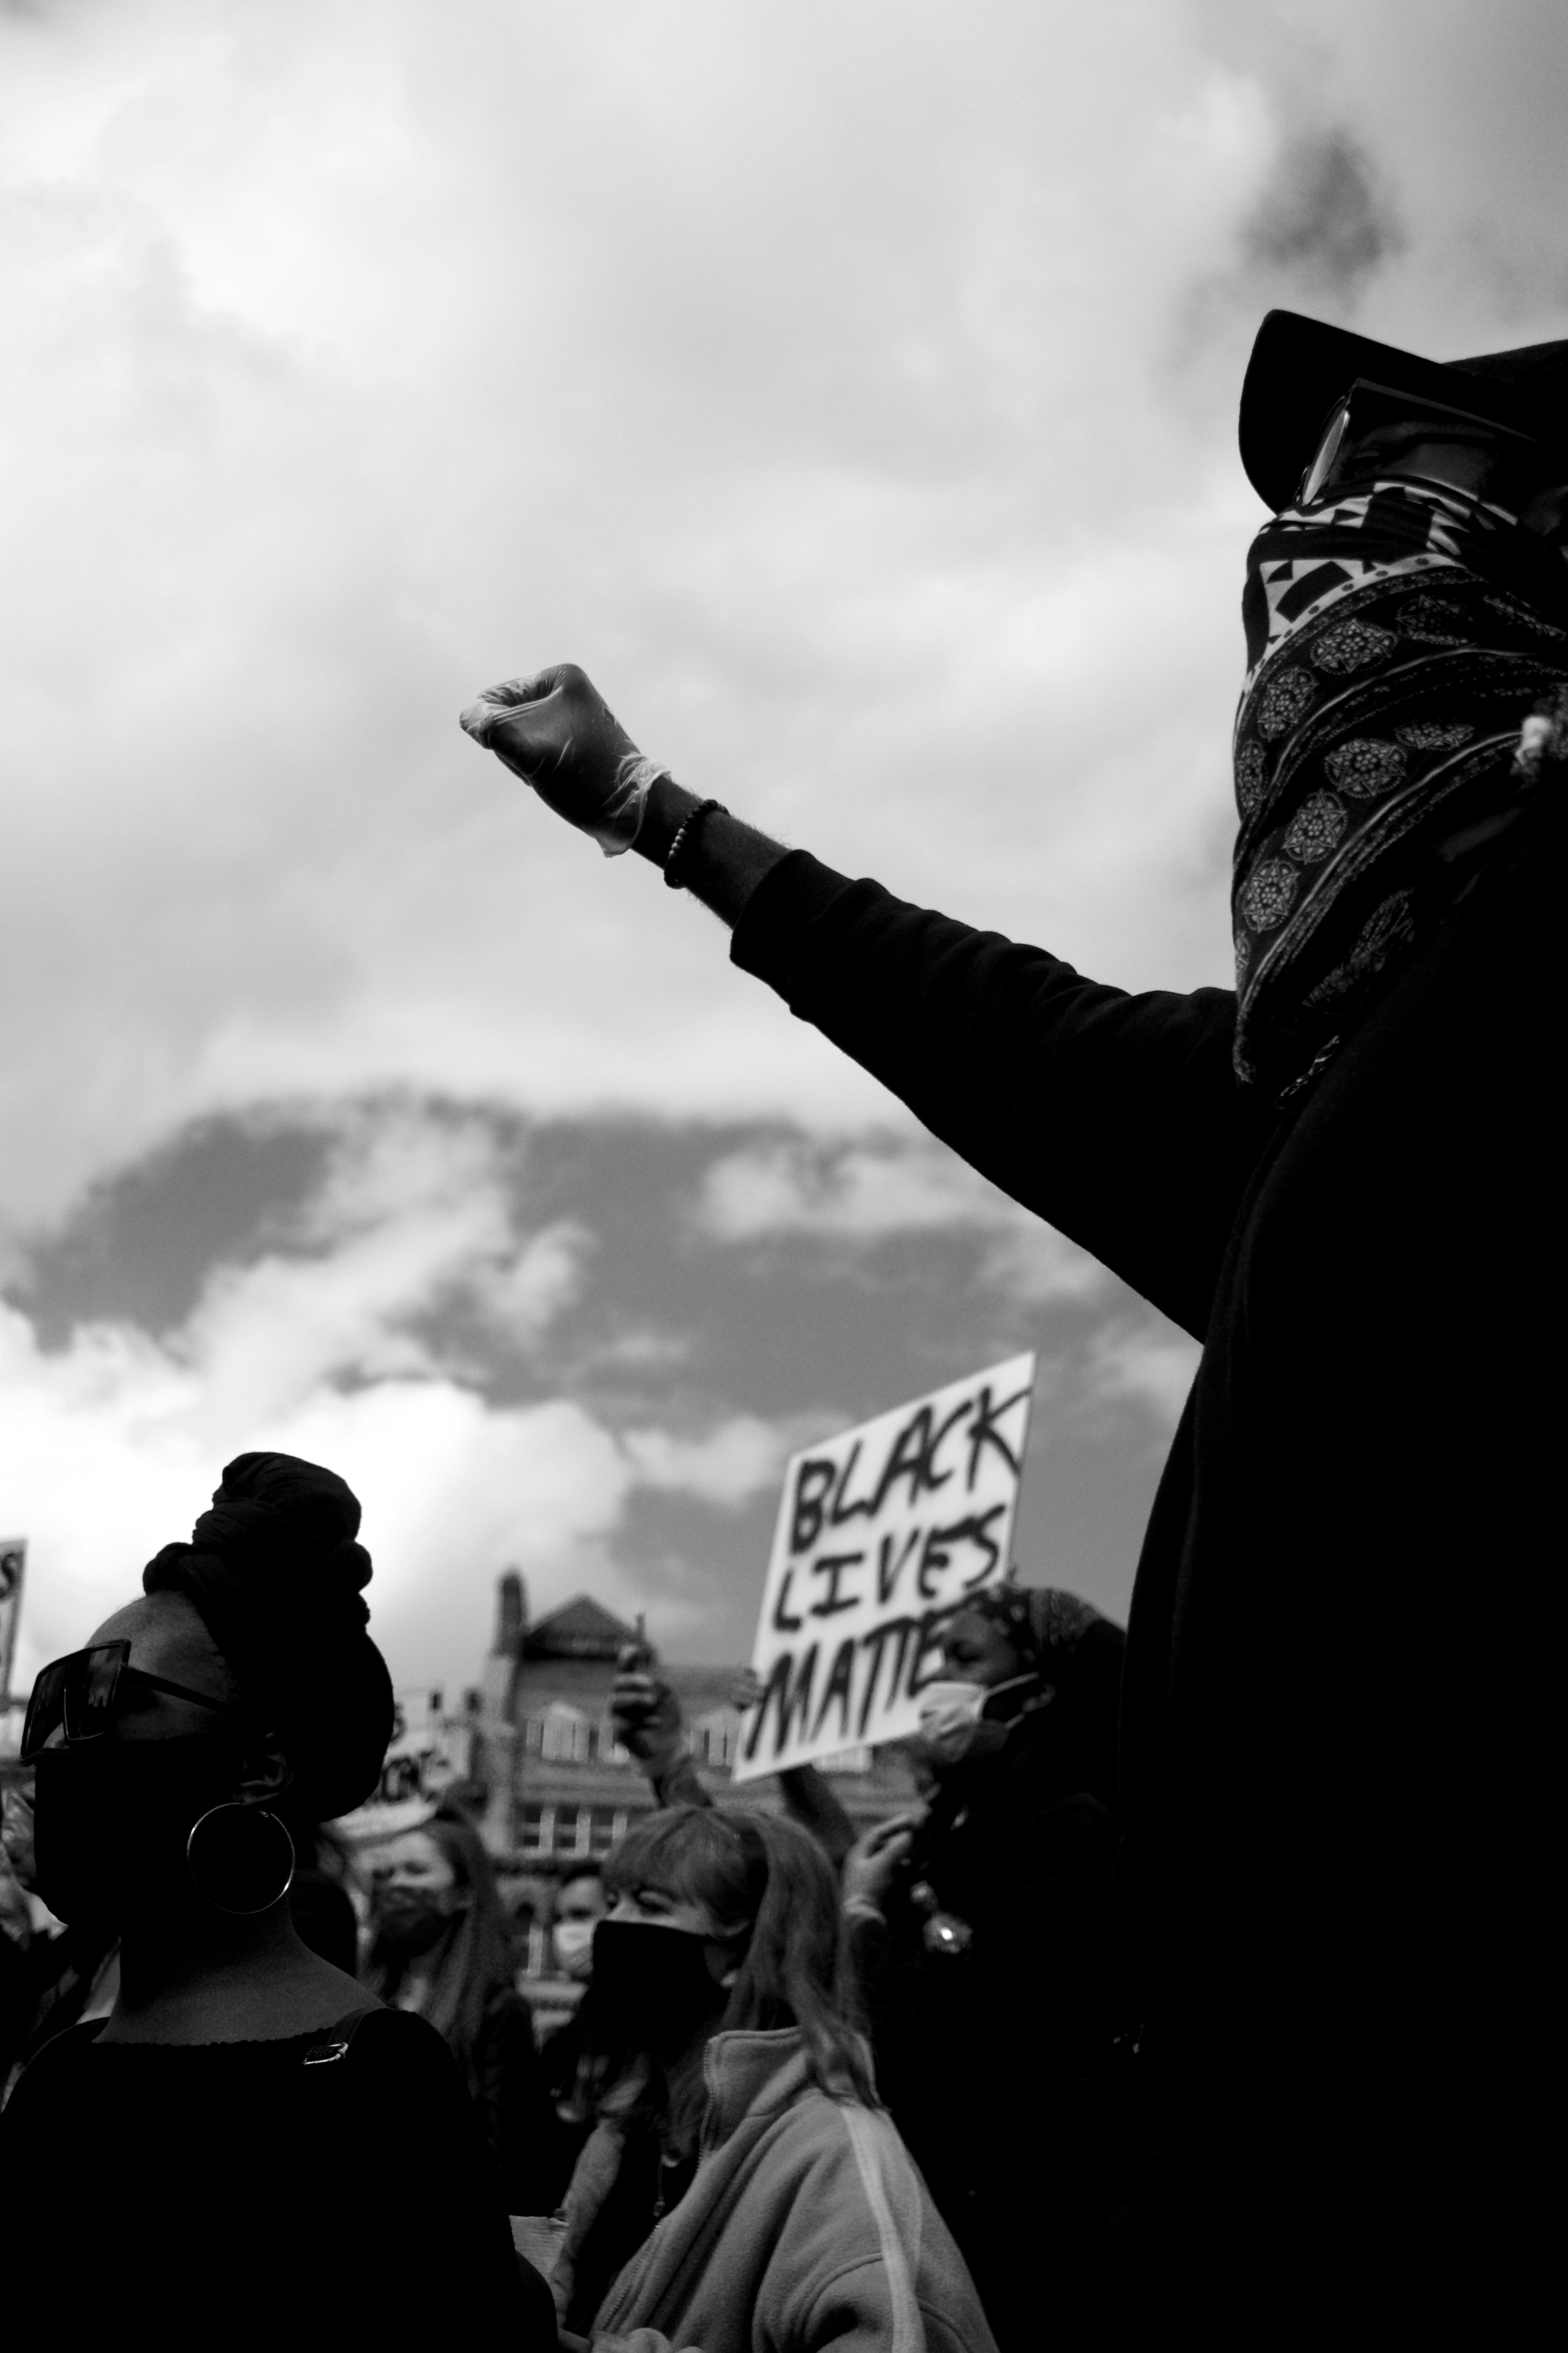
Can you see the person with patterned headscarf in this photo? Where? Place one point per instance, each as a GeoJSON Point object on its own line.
{"type": "Point", "coordinates": [980, 1932]}
{"type": "Point", "coordinates": [1339, 1175]}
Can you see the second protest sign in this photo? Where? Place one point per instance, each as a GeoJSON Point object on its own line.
{"type": "Point", "coordinates": [882, 1532]}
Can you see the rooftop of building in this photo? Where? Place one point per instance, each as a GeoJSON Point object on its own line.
{"type": "Point", "coordinates": [580, 1629]}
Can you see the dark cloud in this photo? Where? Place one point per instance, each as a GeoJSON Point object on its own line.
{"type": "Point", "coordinates": [1322, 221]}
{"type": "Point", "coordinates": [728, 1279]}
{"type": "Point", "coordinates": [142, 1242]}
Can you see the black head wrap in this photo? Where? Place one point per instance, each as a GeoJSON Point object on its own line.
{"type": "Point", "coordinates": [1044, 1624]}
{"type": "Point", "coordinates": [275, 1573]}
{"type": "Point", "coordinates": [1067, 1643]}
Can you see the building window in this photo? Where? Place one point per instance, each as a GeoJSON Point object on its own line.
{"type": "Point", "coordinates": [846, 1760]}
{"type": "Point", "coordinates": [573, 1828]}
{"type": "Point", "coordinates": [563, 1735]}
{"type": "Point", "coordinates": [537, 1829]}
{"type": "Point", "coordinates": [606, 1824]}
{"type": "Point", "coordinates": [714, 1739]}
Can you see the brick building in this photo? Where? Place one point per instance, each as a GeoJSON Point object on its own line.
{"type": "Point", "coordinates": [554, 1787]}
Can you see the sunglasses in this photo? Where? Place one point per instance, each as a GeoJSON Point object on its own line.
{"type": "Point", "coordinates": [1367, 404]}
{"type": "Point", "coordinates": [77, 1695]}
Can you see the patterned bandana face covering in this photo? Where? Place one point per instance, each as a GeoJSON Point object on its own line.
{"type": "Point", "coordinates": [1397, 636]}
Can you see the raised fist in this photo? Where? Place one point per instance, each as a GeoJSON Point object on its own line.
{"type": "Point", "coordinates": [557, 733]}
{"type": "Point", "coordinates": [646, 1713]}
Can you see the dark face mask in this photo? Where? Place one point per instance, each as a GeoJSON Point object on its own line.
{"type": "Point", "coordinates": [111, 1821]}
{"type": "Point", "coordinates": [653, 1988]}
{"type": "Point", "coordinates": [410, 1922]}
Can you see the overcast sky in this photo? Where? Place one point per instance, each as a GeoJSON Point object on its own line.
{"type": "Point", "coordinates": [851, 388]}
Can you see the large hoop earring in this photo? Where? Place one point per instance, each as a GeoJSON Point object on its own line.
{"type": "Point", "coordinates": [241, 1859]}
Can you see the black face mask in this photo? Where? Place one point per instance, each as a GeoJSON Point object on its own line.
{"type": "Point", "coordinates": [653, 1988]}
{"type": "Point", "coordinates": [410, 1923]}
{"type": "Point", "coordinates": [111, 1819]}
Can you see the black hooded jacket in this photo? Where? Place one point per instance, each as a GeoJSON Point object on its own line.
{"type": "Point", "coordinates": [1338, 1767]}
{"type": "Point", "coordinates": [988, 1985]}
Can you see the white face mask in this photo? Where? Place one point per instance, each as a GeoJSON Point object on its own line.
{"type": "Point", "coordinates": [575, 1946]}
{"type": "Point", "coordinates": [949, 1713]}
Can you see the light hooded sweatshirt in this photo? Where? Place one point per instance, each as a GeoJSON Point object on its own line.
{"type": "Point", "coordinates": [807, 2226]}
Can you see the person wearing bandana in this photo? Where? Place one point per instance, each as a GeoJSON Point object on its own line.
{"type": "Point", "coordinates": [1339, 1763]}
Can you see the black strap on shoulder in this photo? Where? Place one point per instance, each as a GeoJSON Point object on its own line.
{"type": "Point", "coordinates": [335, 2044]}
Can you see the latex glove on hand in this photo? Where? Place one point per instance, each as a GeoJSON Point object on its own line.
{"type": "Point", "coordinates": [646, 1714]}
{"type": "Point", "coordinates": [873, 1863]}
{"type": "Point", "coordinates": [558, 734]}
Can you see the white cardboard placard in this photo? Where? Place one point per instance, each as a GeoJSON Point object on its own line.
{"type": "Point", "coordinates": [882, 1531]}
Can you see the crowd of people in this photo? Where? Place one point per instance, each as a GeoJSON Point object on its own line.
{"type": "Point", "coordinates": [701, 2150]}
{"type": "Point", "coordinates": [1206, 1990]}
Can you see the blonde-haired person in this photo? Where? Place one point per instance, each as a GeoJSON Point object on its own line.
{"type": "Point", "coordinates": [442, 1948]}
{"type": "Point", "coordinates": [759, 2192]}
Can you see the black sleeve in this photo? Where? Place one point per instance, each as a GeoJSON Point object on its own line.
{"type": "Point", "coordinates": [811, 1801]}
{"type": "Point", "coordinates": [455, 2273]}
{"type": "Point", "coordinates": [325, 1919]}
{"type": "Point", "coordinates": [886, 1963]}
{"type": "Point", "coordinates": [16, 1992]}
{"type": "Point", "coordinates": [568, 2114]}
{"type": "Point", "coordinates": [1116, 1117]}
{"type": "Point", "coordinates": [514, 2104]}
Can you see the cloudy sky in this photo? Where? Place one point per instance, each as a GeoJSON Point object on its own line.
{"type": "Point", "coordinates": [852, 389]}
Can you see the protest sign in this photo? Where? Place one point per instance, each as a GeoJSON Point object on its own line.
{"type": "Point", "coordinates": [13, 1561]}
{"type": "Point", "coordinates": [426, 1756]}
{"type": "Point", "coordinates": [881, 1533]}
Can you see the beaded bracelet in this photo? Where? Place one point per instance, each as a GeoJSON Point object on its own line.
{"type": "Point", "coordinates": [683, 833]}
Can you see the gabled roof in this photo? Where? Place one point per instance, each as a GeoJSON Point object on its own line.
{"type": "Point", "coordinates": [578, 1630]}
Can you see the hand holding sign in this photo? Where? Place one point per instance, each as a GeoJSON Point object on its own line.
{"type": "Point", "coordinates": [882, 1532]}
{"type": "Point", "coordinates": [13, 1561]}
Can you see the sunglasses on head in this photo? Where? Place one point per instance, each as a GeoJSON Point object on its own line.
{"type": "Point", "coordinates": [1367, 405]}
{"type": "Point", "coordinates": [77, 1695]}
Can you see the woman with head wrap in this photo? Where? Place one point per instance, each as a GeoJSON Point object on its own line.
{"type": "Point", "coordinates": [980, 1933]}
{"type": "Point", "coordinates": [234, 2130]}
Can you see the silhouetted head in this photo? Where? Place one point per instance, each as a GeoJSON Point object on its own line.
{"type": "Point", "coordinates": [240, 1690]}
{"type": "Point", "coordinates": [265, 1605]}
{"type": "Point", "coordinates": [1501, 414]}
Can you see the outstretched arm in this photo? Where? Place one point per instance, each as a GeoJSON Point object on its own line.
{"type": "Point", "coordinates": [1115, 1118]}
